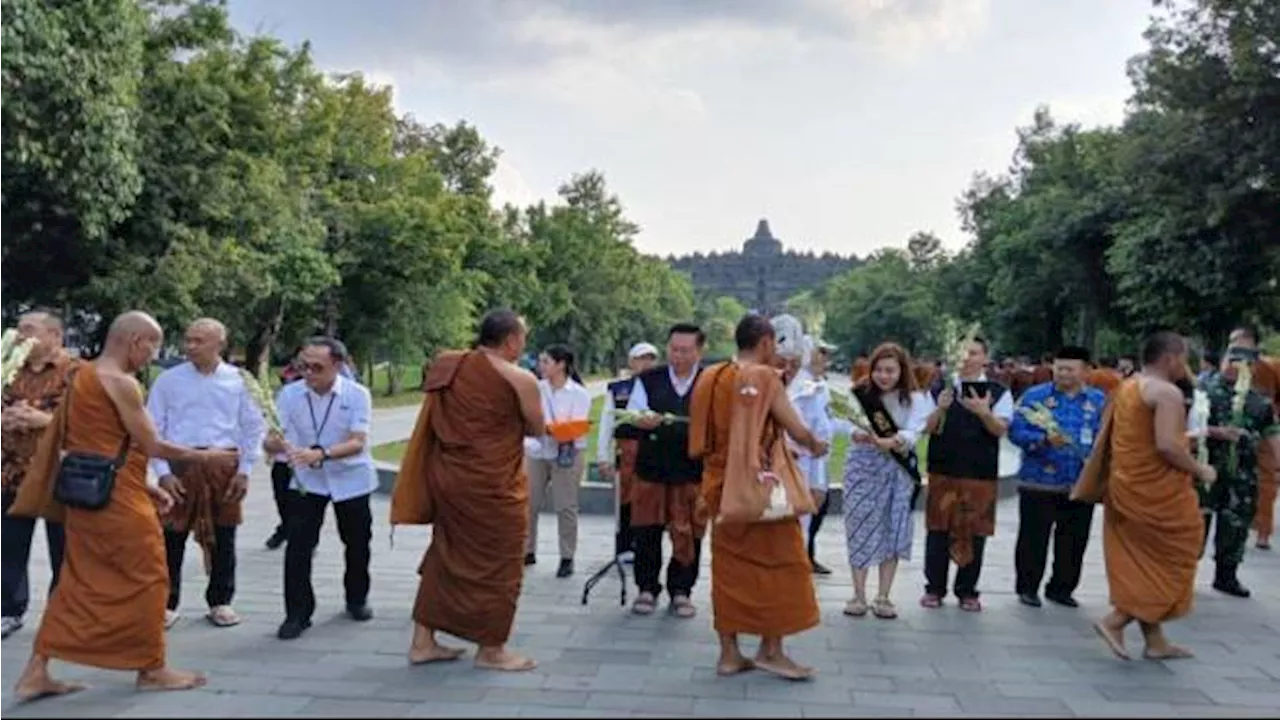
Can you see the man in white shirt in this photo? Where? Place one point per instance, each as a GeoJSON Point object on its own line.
{"type": "Point", "coordinates": [326, 431]}
{"type": "Point", "coordinates": [618, 462]}
{"type": "Point", "coordinates": [204, 403]}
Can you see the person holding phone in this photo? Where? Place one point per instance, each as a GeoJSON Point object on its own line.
{"type": "Point", "coordinates": [964, 467]}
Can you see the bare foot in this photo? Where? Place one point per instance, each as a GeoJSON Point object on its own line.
{"type": "Point", "coordinates": [733, 666]}
{"type": "Point", "coordinates": [42, 686]}
{"type": "Point", "coordinates": [504, 661]}
{"type": "Point", "coordinates": [434, 652]}
{"type": "Point", "coordinates": [166, 679]}
{"type": "Point", "coordinates": [1113, 638]}
{"type": "Point", "coordinates": [783, 667]}
{"type": "Point", "coordinates": [1168, 652]}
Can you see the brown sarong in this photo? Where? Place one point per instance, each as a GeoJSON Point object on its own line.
{"type": "Point", "coordinates": [678, 507]}
{"type": "Point", "coordinates": [204, 506]}
{"type": "Point", "coordinates": [108, 608]}
{"type": "Point", "coordinates": [463, 473]}
{"type": "Point", "coordinates": [1266, 379]}
{"type": "Point", "coordinates": [628, 449]}
{"type": "Point", "coordinates": [761, 578]}
{"type": "Point", "coordinates": [964, 508]}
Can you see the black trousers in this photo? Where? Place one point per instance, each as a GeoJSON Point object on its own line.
{"type": "Point", "coordinates": [623, 540]}
{"type": "Point", "coordinates": [937, 566]}
{"type": "Point", "coordinates": [281, 476]}
{"type": "Point", "coordinates": [1042, 514]}
{"type": "Point", "coordinates": [16, 534]}
{"type": "Point", "coordinates": [648, 564]}
{"type": "Point", "coordinates": [355, 527]}
{"type": "Point", "coordinates": [815, 523]}
{"type": "Point", "coordinates": [221, 588]}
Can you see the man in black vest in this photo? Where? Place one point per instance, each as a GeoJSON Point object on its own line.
{"type": "Point", "coordinates": [666, 489]}
{"type": "Point", "coordinates": [619, 461]}
{"type": "Point", "coordinates": [964, 467]}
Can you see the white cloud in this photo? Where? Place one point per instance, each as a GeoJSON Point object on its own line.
{"type": "Point", "coordinates": [510, 186]}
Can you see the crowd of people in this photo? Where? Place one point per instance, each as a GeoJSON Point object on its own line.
{"type": "Point", "coordinates": [738, 449]}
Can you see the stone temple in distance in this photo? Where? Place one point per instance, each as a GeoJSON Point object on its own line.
{"type": "Point", "coordinates": [762, 276]}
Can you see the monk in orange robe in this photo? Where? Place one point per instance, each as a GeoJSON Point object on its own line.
{"type": "Point", "coordinates": [1152, 528]}
{"type": "Point", "coordinates": [108, 608]}
{"type": "Point", "coordinates": [861, 369]}
{"type": "Point", "coordinates": [1266, 380]}
{"type": "Point", "coordinates": [463, 474]}
{"type": "Point", "coordinates": [1105, 379]}
{"type": "Point", "coordinates": [761, 579]}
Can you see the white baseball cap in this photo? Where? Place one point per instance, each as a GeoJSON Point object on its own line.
{"type": "Point", "coordinates": [640, 350]}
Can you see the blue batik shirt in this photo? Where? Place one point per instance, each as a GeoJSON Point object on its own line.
{"type": "Point", "coordinates": [1079, 417]}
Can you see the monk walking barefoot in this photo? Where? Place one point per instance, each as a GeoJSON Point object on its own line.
{"type": "Point", "coordinates": [1143, 473]}
{"type": "Point", "coordinates": [761, 578]}
{"type": "Point", "coordinates": [463, 474]}
{"type": "Point", "coordinates": [108, 608]}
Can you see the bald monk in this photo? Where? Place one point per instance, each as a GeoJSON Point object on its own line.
{"type": "Point", "coordinates": [1266, 380]}
{"type": "Point", "coordinates": [761, 579]}
{"type": "Point", "coordinates": [108, 608]}
{"type": "Point", "coordinates": [463, 474]}
{"type": "Point", "coordinates": [1152, 528]}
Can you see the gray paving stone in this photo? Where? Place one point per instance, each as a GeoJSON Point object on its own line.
{"type": "Point", "coordinates": [599, 660]}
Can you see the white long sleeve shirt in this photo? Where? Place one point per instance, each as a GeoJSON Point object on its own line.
{"type": "Point", "coordinates": [570, 402]}
{"type": "Point", "coordinates": [206, 411]}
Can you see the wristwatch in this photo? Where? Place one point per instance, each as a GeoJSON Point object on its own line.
{"type": "Point", "coordinates": [324, 456]}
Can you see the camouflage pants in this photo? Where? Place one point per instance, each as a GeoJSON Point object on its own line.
{"type": "Point", "coordinates": [1234, 502]}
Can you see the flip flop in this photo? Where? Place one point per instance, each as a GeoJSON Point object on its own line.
{"type": "Point", "coordinates": [644, 605]}
{"type": "Point", "coordinates": [682, 607]}
{"type": "Point", "coordinates": [1175, 653]}
{"type": "Point", "coordinates": [1116, 648]}
{"type": "Point", "coordinates": [223, 616]}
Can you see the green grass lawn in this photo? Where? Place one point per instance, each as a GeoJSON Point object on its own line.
{"type": "Point", "coordinates": [392, 452]}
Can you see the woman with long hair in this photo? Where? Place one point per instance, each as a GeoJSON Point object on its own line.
{"type": "Point", "coordinates": [557, 460]}
{"type": "Point", "coordinates": [877, 489]}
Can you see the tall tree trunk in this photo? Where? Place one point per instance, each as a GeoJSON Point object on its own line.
{"type": "Point", "coordinates": [257, 352]}
{"type": "Point", "coordinates": [393, 378]}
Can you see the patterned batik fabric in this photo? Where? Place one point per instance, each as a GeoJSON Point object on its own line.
{"type": "Point", "coordinates": [877, 508]}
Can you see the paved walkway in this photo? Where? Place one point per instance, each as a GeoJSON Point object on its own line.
{"type": "Point", "coordinates": [598, 661]}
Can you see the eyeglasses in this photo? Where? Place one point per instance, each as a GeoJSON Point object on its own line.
{"type": "Point", "coordinates": [312, 368]}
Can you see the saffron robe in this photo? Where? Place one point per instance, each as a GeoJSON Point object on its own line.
{"type": "Point", "coordinates": [463, 473]}
{"type": "Point", "coordinates": [108, 608]}
{"type": "Point", "coordinates": [1152, 528]}
{"type": "Point", "coordinates": [1266, 379]}
{"type": "Point", "coordinates": [761, 578]}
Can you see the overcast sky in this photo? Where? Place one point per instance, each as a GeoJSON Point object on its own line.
{"type": "Point", "coordinates": [849, 124]}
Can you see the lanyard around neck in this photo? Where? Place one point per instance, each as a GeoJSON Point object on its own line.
{"type": "Point", "coordinates": [319, 427]}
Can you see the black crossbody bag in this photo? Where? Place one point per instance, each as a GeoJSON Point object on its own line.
{"type": "Point", "coordinates": [85, 480]}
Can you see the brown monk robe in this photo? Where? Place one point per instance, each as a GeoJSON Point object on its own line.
{"type": "Point", "coordinates": [1266, 378]}
{"type": "Point", "coordinates": [861, 368]}
{"type": "Point", "coordinates": [463, 474]}
{"type": "Point", "coordinates": [925, 373]}
{"type": "Point", "coordinates": [761, 579]}
{"type": "Point", "coordinates": [1105, 379]}
{"type": "Point", "coordinates": [108, 608]}
{"type": "Point", "coordinates": [1152, 528]}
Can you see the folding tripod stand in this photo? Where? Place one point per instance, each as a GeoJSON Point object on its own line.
{"type": "Point", "coordinates": [617, 561]}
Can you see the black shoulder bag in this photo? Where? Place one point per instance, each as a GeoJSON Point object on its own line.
{"type": "Point", "coordinates": [85, 480]}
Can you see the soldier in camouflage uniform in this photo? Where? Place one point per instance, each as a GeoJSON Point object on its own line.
{"type": "Point", "coordinates": [1233, 499]}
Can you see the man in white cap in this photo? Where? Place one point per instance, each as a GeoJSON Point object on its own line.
{"type": "Point", "coordinates": [621, 458]}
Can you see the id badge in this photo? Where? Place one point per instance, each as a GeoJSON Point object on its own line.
{"type": "Point", "coordinates": [566, 453]}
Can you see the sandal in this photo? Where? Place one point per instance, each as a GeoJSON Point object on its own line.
{"type": "Point", "coordinates": [884, 609]}
{"type": "Point", "coordinates": [682, 607]}
{"type": "Point", "coordinates": [855, 608]}
{"type": "Point", "coordinates": [223, 616]}
{"type": "Point", "coordinates": [645, 604]}
{"type": "Point", "coordinates": [933, 602]}
{"type": "Point", "coordinates": [972, 604]}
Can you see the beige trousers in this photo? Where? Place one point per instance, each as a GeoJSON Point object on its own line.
{"type": "Point", "coordinates": [563, 483]}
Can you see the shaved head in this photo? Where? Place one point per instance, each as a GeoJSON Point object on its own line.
{"type": "Point", "coordinates": [134, 323]}
{"type": "Point", "coordinates": [209, 326]}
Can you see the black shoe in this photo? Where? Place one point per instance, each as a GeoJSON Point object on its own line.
{"type": "Point", "coordinates": [530, 559]}
{"type": "Point", "coordinates": [1231, 586]}
{"type": "Point", "coordinates": [276, 540]}
{"type": "Point", "coordinates": [819, 568]}
{"type": "Point", "coordinates": [360, 613]}
{"type": "Point", "coordinates": [565, 569]}
{"type": "Point", "coordinates": [1063, 600]}
{"type": "Point", "coordinates": [292, 629]}
{"type": "Point", "coordinates": [1029, 599]}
